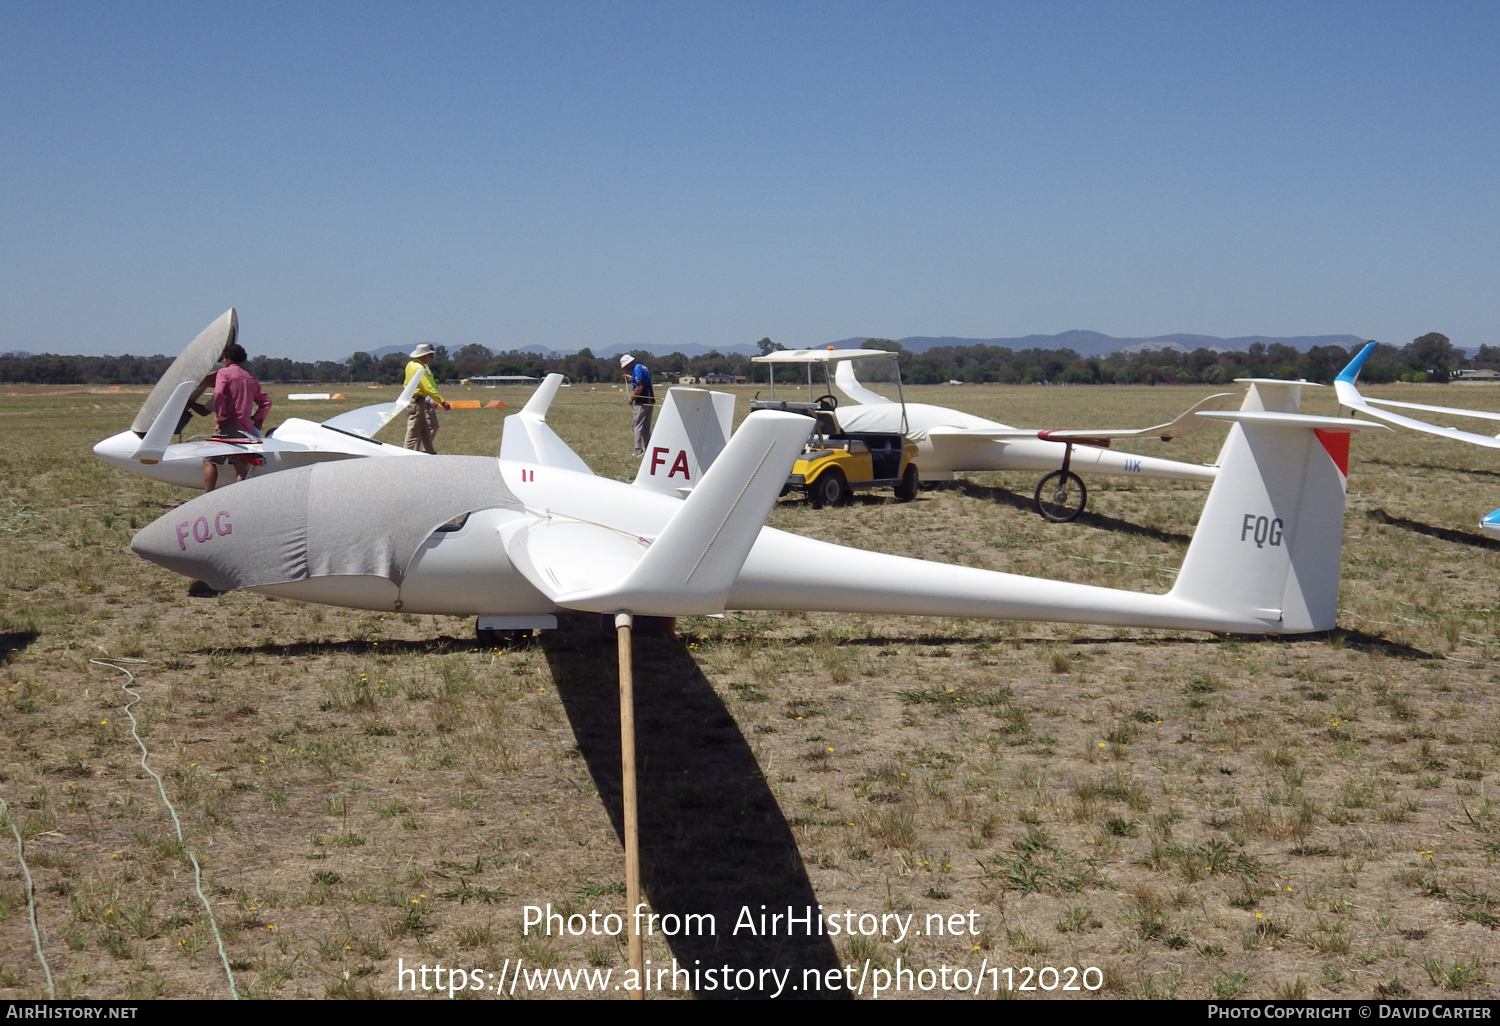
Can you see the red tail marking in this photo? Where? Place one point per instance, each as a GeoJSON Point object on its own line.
{"type": "Point", "coordinates": [1337, 444]}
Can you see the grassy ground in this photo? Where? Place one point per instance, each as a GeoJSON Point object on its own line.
{"type": "Point", "coordinates": [1193, 816]}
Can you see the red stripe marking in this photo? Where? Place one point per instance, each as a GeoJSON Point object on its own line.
{"type": "Point", "coordinates": [1337, 444]}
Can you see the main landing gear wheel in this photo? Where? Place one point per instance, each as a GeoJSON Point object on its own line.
{"type": "Point", "coordinates": [907, 489]}
{"type": "Point", "coordinates": [830, 489]}
{"type": "Point", "coordinates": [1060, 497]}
{"type": "Point", "coordinates": [501, 639]}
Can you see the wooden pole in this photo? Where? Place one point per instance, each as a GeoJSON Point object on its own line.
{"type": "Point", "coordinates": [623, 623]}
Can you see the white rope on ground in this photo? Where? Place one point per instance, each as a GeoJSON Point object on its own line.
{"type": "Point", "coordinates": [36, 933]}
{"type": "Point", "coordinates": [162, 790]}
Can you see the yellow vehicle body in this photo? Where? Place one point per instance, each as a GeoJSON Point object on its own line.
{"type": "Point", "coordinates": [831, 467]}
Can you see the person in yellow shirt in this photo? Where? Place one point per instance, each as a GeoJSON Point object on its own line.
{"type": "Point", "coordinates": [421, 415]}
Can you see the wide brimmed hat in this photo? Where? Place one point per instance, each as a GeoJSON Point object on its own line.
{"type": "Point", "coordinates": [422, 350]}
{"type": "Point", "coordinates": [626, 359]}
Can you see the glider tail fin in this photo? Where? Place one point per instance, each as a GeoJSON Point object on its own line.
{"type": "Point", "coordinates": [159, 435]}
{"type": "Point", "coordinates": [1267, 546]}
{"type": "Point", "coordinates": [845, 381]}
{"type": "Point", "coordinates": [526, 437]}
{"type": "Point", "coordinates": [692, 430]}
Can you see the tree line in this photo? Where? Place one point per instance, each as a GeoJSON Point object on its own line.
{"type": "Point", "coordinates": [1432, 357]}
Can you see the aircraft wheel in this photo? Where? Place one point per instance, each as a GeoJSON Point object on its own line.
{"type": "Point", "coordinates": [910, 481]}
{"type": "Point", "coordinates": [1060, 497]}
{"type": "Point", "coordinates": [830, 489]}
{"type": "Point", "coordinates": [501, 639]}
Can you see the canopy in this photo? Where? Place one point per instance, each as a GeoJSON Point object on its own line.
{"type": "Point", "coordinates": [822, 355]}
{"type": "Point", "coordinates": [197, 362]}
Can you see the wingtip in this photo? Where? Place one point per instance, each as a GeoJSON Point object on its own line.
{"type": "Point", "coordinates": [1350, 374]}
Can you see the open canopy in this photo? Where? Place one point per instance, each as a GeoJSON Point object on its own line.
{"type": "Point", "coordinates": [822, 355]}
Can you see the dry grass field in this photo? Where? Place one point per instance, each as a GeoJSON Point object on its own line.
{"type": "Point", "coordinates": [1195, 816]}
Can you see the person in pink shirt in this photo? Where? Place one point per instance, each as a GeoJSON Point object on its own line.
{"type": "Point", "coordinates": [240, 408]}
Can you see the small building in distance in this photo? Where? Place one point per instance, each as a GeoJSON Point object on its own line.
{"type": "Point", "coordinates": [495, 380]}
{"type": "Point", "coordinates": [687, 379]}
{"type": "Point", "coordinates": [1471, 374]}
{"type": "Point", "coordinates": [723, 379]}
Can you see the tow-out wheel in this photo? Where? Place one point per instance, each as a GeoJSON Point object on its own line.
{"type": "Point", "coordinates": [830, 489]}
{"type": "Point", "coordinates": [501, 639]}
{"type": "Point", "coordinates": [1061, 496]}
{"type": "Point", "coordinates": [910, 482]}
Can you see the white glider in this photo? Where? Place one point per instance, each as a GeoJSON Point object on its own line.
{"type": "Point", "coordinates": [1349, 396]}
{"type": "Point", "coordinates": [147, 448]}
{"type": "Point", "coordinates": [949, 441]}
{"type": "Point", "coordinates": [517, 540]}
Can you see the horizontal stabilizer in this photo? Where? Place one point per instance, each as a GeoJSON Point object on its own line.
{"type": "Point", "coordinates": [691, 565]}
{"type": "Point", "coordinates": [527, 438]}
{"type": "Point", "coordinates": [367, 420]}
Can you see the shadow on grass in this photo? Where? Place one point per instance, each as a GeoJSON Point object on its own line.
{"type": "Point", "coordinates": [440, 645]}
{"type": "Point", "coordinates": [15, 641]}
{"type": "Point", "coordinates": [713, 839]}
{"type": "Point", "coordinates": [1409, 465]}
{"type": "Point", "coordinates": [1007, 497]}
{"type": "Point", "coordinates": [1477, 541]}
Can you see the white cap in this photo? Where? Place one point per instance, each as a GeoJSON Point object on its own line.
{"type": "Point", "coordinates": [422, 350]}
{"type": "Point", "coordinates": [626, 359]}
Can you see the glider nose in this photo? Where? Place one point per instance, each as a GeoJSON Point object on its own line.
{"type": "Point", "coordinates": [238, 537]}
{"type": "Point", "coordinates": [1490, 524]}
{"type": "Point", "coordinates": [118, 449]}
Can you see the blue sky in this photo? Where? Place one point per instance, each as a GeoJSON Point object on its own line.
{"type": "Point", "coordinates": [358, 175]}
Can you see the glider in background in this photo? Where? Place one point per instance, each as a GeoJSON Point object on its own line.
{"type": "Point", "coordinates": [949, 441]}
{"type": "Point", "coordinates": [147, 448]}
{"type": "Point", "coordinates": [1349, 396]}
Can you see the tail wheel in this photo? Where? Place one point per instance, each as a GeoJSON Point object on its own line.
{"type": "Point", "coordinates": [830, 489]}
{"type": "Point", "coordinates": [910, 482]}
{"type": "Point", "coordinates": [1060, 496]}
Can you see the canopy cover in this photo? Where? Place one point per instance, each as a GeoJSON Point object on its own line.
{"type": "Point", "coordinates": [197, 362]}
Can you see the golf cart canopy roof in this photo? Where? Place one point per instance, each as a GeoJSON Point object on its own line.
{"type": "Point", "coordinates": [822, 355]}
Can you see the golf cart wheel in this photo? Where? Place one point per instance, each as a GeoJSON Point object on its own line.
{"type": "Point", "coordinates": [828, 402]}
{"type": "Point", "coordinates": [830, 489]}
{"type": "Point", "coordinates": [910, 481]}
{"type": "Point", "coordinates": [1060, 497]}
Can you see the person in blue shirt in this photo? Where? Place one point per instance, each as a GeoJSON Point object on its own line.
{"type": "Point", "coordinates": [641, 398]}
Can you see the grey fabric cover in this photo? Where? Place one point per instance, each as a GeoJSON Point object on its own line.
{"type": "Point", "coordinates": [345, 518]}
{"type": "Point", "coordinates": [197, 360]}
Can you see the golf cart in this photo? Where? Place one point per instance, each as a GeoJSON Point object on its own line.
{"type": "Point", "coordinates": [836, 462]}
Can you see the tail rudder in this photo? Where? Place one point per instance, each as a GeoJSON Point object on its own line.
{"type": "Point", "coordinates": [526, 437]}
{"type": "Point", "coordinates": [846, 382]}
{"type": "Point", "coordinates": [1267, 547]}
{"type": "Point", "coordinates": [159, 435]}
{"type": "Point", "coordinates": [690, 433]}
